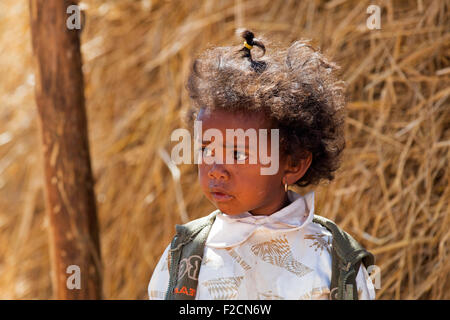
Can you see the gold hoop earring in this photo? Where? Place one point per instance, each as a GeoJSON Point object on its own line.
{"type": "Point", "coordinates": [285, 187]}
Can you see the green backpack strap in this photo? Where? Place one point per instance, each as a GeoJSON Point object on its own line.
{"type": "Point", "coordinates": [185, 257]}
{"type": "Point", "coordinates": [346, 256]}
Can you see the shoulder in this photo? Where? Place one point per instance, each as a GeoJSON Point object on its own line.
{"type": "Point", "coordinates": [194, 227]}
{"type": "Point", "coordinates": [199, 223]}
{"type": "Point", "coordinates": [346, 247]}
{"type": "Point", "coordinates": [326, 223]}
{"type": "Point", "coordinates": [339, 235]}
{"type": "Point", "coordinates": [318, 237]}
{"type": "Point", "coordinates": [319, 229]}
{"type": "Point", "coordinates": [202, 220]}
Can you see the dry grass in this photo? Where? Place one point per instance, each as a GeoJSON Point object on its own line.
{"type": "Point", "coordinates": [392, 192]}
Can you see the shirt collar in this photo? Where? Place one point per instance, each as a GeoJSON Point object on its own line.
{"type": "Point", "coordinates": [229, 231]}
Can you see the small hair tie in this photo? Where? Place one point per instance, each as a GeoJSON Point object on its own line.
{"type": "Point", "coordinates": [249, 47]}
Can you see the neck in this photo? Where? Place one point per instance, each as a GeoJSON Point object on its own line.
{"type": "Point", "coordinates": [277, 206]}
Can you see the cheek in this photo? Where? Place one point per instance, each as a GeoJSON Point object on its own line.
{"type": "Point", "coordinates": [202, 174]}
{"type": "Point", "coordinates": [252, 179]}
{"type": "Point", "coordinates": [248, 177]}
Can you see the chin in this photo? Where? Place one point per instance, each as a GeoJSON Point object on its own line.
{"type": "Point", "coordinates": [228, 209]}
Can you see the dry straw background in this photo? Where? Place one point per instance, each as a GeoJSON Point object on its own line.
{"type": "Point", "coordinates": [392, 192]}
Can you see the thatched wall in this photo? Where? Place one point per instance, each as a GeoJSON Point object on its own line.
{"type": "Point", "coordinates": [392, 191]}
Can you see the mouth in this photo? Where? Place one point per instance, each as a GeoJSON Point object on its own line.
{"type": "Point", "coordinates": [220, 195]}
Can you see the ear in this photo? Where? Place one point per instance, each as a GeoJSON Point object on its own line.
{"type": "Point", "coordinates": [294, 171]}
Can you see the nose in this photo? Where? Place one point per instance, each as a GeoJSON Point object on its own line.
{"type": "Point", "coordinates": [218, 172]}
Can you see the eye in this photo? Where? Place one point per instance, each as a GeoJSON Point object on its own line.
{"type": "Point", "coordinates": [240, 156]}
{"type": "Point", "coordinates": [206, 151]}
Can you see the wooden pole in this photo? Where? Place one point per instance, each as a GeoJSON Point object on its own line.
{"type": "Point", "coordinates": [69, 185]}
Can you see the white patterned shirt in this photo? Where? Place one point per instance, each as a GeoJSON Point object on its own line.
{"type": "Point", "coordinates": [282, 256]}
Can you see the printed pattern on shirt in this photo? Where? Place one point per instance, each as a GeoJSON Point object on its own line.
{"type": "Point", "coordinates": [269, 295]}
{"type": "Point", "coordinates": [278, 252]}
{"type": "Point", "coordinates": [320, 293]}
{"type": "Point", "coordinates": [320, 242]}
{"type": "Point", "coordinates": [238, 259]}
{"type": "Point", "coordinates": [223, 288]}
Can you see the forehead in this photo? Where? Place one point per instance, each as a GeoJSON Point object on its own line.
{"type": "Point", "coordinates": [223, 119]}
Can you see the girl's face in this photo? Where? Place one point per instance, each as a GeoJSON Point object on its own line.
{"type": "Point", "coordinates": [235, 188]}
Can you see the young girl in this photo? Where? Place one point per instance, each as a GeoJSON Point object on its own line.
{"type": "Point", "coordinates": [264, 241]}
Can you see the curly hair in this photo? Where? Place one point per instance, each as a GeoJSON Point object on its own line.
{"type": "Point", "coordinates": [296, 88]}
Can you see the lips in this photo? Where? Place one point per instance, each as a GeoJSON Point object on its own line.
{"type": "Point", "coordinates": [220, 194]}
